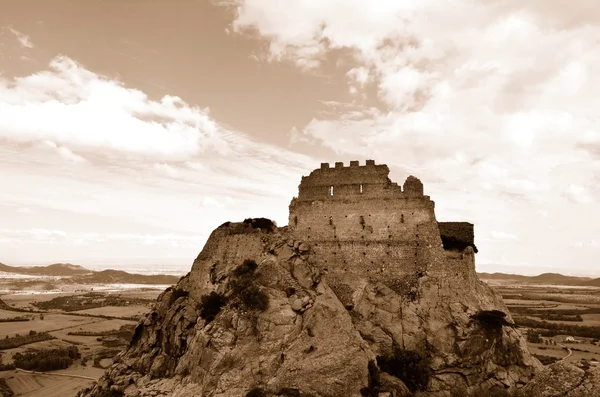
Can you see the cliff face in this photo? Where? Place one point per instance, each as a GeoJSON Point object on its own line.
{"type": "Point", "coordinates": [280, 329]}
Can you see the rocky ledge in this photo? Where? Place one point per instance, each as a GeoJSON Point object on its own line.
{"type": "Point", "coordinates": [256, 317]}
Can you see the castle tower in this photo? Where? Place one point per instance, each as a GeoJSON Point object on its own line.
{"type": "Point", "coordinates": [361, 223]}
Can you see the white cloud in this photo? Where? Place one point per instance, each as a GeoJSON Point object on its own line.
{"type": "Point", "coordinates": [481, 78]}
{"type": "Point", "coordinates": [76, 108]}
{"type": "Point", "coordinates": [499, 235]}
{"type": "Point", "coordinates": [492, 104]}
{"type": "Point", "coordinates": [24, 40]}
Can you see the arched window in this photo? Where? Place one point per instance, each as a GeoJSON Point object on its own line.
{"type": "Point", "coordinates": [331, 190]}
{"type": "Point", "coordinates": [401, 218]}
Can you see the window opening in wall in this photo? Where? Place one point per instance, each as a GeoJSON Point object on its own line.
{"type": "Point", "coordinates": [331, 190]}
{"type": "Point", "coordinates": [401, 218]}
{"type": "Point", "coordinates": [361, 188]}
{"type": "Point", "coordinates": [331, 220]}
{"type": "Point", "coordinates": [296, 220]}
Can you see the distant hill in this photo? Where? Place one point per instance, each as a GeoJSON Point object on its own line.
{"type": "Point", "coordinates": [121, 277]}
{"type": "Point", "coordinates": [56, 269]}
{"type": "Point", "coordinates": [79, 274]}
{"type": "Point", "coordinates": [544, 278]}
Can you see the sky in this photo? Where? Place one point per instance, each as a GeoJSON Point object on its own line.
{"type": "Point", "coordinates": [130, 129]}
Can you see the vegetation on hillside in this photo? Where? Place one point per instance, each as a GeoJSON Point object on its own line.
{"type": "Point", "coordinates": [210, 306]}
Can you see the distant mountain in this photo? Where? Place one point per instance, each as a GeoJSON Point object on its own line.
{"type": "Point", "coordinates": [121, 277]}
{"type": "Point", "coordinates": [56, 269]}
{"type": "Point", "coordinates": [544, 278]}
{"type": "Point", "coordinates": [79, 274]}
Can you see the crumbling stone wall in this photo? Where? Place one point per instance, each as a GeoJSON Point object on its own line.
{"type": "Point", "coordinates": [360, 223]}
{"type": "Point", "coordinates": [460, 230]}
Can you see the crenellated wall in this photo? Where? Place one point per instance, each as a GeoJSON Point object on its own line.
{"type": "Point", "coordinates": [359, 222]}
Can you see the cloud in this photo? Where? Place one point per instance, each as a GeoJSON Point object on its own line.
{"type": "Point", "coordinates": [65, 153]}
{"type": "Point", "coordinates": [88, 118]}
{"type": "Point", "coordinates": [34, 234]}
{"type": "Point", "coordinates": [498, 235]}
{"type": "Point", "coordinates": [491, 104]}
{"type": "Point", "coordinates": [24, 40]}
{"type": "Point", "coordinates": [80, 111]}
{"type": "Point", "coordinates": [485, 79]}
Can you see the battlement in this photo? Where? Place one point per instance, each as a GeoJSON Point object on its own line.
{"type": "Point", "coordinates": [353, 163]}
{"type": "Point", "coordinates": [356, 181]}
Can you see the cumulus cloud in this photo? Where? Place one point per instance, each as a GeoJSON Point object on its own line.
{"type": "Point", "coordinates": [502, 80]}
{"type": "Point", "coordinates": [492, 104]}
{"type": "Point", "coordinates": [78, 110]}
{"type": "Point", "coordinates": [83, 117]}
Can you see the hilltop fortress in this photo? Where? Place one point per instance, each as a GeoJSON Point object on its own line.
{"type": "Point", "coordinates": [362, 276]}
{"type": "Point", "coordinates": [360, 223]}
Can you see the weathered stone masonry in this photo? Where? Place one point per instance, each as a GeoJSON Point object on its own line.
{"type": "Point", "coordinates": [361, 223]}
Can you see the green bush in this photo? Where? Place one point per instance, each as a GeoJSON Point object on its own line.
{"type": "Point", "coordinates": [408, 366]}
{"type": "Point", "coordinates": [210, 306]}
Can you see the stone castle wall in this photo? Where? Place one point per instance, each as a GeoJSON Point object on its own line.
{"type": "Point", "coordinates": [360, 223]}
{"type": "Point", "coordinates": [461, 230]}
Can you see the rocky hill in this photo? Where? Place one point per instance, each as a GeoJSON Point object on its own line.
{"type": "Point", "coordinates": [256, 317]}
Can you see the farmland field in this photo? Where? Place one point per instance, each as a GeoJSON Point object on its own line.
{"type": "Point", "coordinates": [46, 323]}
{"type": "Point", "coordinates": [566, 318]}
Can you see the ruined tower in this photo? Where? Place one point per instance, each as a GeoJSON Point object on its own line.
{"type": "Point", "coordinates": [361, 223]}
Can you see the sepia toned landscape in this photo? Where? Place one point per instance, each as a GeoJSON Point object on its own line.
{"type": "Point", "coordinates": [57, 341]}
{"type": "Point", "coordinates": [308, 198]}
{"type": "Point", "coordinates": [58, 331]}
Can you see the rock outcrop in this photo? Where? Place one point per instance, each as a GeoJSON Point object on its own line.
{"type": "Point", "coordinates": [256, 317]}
{"type": "Point", "coordinates": [563, 380]}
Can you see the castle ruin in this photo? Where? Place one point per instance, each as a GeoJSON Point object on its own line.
{"type": "Point", "coordinates": [361, 223]}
